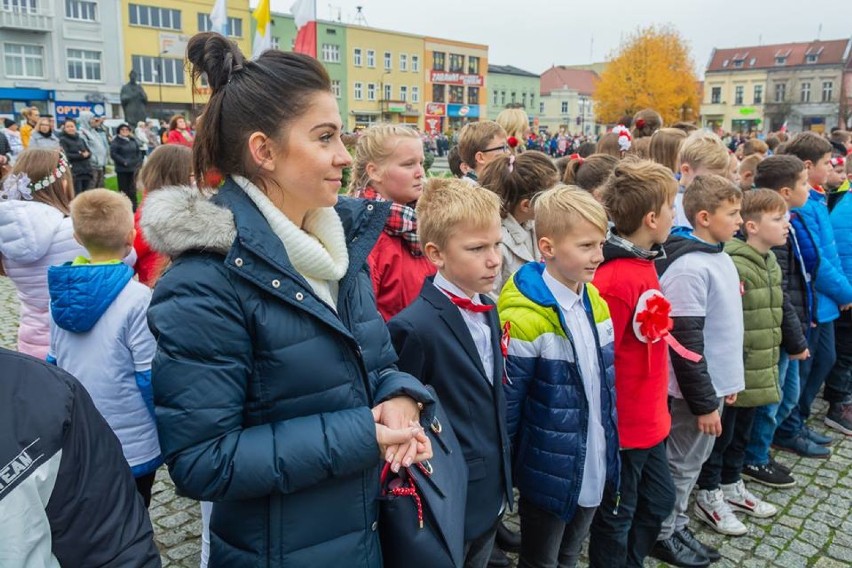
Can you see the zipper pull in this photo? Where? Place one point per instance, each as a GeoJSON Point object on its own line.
{"type": "Point", "coordinates": [617, 503]}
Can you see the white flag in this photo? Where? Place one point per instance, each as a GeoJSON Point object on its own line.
{"type": "Point", "coordinates": [263, 34]}
{"type": "Point", "coordinates": [219, 17]}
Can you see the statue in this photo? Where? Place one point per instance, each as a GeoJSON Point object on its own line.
{"type": "Point", "coordinates": [133, 101]}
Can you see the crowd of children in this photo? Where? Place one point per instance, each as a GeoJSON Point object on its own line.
{"type": "Point", "coordinates": [606, 333]}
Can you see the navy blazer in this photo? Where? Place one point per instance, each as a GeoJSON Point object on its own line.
{"type": "Point", "coordinates": [435, 345]}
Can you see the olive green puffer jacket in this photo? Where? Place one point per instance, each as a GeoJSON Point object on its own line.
{"type": "Point", "coordinates": [760, 278]}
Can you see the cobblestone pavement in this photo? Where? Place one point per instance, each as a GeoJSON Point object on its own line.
{"type": "Point", "coordinates": [812, 528]}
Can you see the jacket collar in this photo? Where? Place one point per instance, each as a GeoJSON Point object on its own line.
{"type": "Point", "coordinates": [518, 238]}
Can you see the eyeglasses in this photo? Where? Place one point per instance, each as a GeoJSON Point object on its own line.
{"type": "Point", "coordinates": [503, 148]}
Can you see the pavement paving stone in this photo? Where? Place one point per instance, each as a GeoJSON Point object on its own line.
{"type": "Point", "coordinates": [812, 529]}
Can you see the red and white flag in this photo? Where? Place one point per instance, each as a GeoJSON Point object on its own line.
{"type": "Point", "coordinates": [305, 14]}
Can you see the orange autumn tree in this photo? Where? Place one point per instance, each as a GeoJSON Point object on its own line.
{"type": "Point", "coordinates": [652, 69]}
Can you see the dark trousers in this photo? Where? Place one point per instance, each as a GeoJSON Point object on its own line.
{"type": "Point", "coordinates": [98, 177]}
{"type": "Point", "coordinates": [624, 533]}
{"type": "Point", "coordinates": [549, 542]}
{"type": "Point", "coordinates": [477, 552]}
{"type": "Point", "coordinates": [127, 185]}
{"type": "Point", "coordinates": [725, 463]}
{"type": "Point", "coordinates": [838, 383]}
{"type": "Point", "coordinates": [82, 182]}
{"type": "Point", "coordinates": [144, 484]}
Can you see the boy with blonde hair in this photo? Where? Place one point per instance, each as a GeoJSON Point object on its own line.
{"type": "Point", "coordinates": [449, 338]}
{"type": "Point", "coordinates": [702, 153]}
{"type": "Point", "coordinates": [99, 328]}
{"type": "Point", "coordinates": [559, 385]}
{"type": "Point", "coordinates": [479, 143]}
{"type": "Point", "coordinates": [639, 197]}
{"type": "Point", "coordinates": [703, 287]}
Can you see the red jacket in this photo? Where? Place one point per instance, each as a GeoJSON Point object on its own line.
{"type": "Point", "coordinates": [397, 275]}
{"type": "Point", "coordinates": [149, 264]}
{"type": "Point", "coordinates": [177, 137]}
{"type": "Point", "coordinates": [641, 369]}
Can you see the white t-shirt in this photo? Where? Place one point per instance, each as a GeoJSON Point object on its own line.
{"type": "Point", "coordinates": [703, 284]}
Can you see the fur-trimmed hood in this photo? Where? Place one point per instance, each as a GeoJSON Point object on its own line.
{"type": "Point", "coordinates": [180, 218]}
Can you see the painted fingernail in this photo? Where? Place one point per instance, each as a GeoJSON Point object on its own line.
{"type": "Point", "coordinates": [395, 468]}
{"type": "Point", "coordinates": [407, 462]}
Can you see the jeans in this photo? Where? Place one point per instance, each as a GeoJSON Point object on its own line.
{"type": "Point", "coordinates": [838, 384]}
{"type": "Point", "coordinates": [726, 461]}
{"type": "Point", "coordinates": [549, 542]}
{"type": "Point", "coordinates": [623, 535]}
{"type": "Point", "coordinates": [812, 372]}
{"type": "Point", "coordinates": [767, 418]}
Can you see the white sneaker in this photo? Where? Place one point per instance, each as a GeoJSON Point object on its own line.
{"type": "Point", "coordinates": [710, 507]}
{"type": "Point", "coordinates": [743, 500]}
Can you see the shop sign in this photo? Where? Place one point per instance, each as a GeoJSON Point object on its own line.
{"type": "Point", "coordinates": [436, 109]}
{"type": "Point", "coordinates": [456, 79]}
{"type": "Point", "coordinates": [72, 109]}
{"type": "Point", "coordinates": [463, 111]}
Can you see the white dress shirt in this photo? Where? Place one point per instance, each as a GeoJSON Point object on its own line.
{"type": "Point", "coordinates": [477, 324]}
{"type": "Point", "coordinates": [585, 346]}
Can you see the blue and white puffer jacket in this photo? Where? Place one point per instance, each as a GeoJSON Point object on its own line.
{"type": "Point", "coordinates": [547, 408]}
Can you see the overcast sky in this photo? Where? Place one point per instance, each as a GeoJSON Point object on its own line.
{"type": "Point", "coordinates": [534, 34]}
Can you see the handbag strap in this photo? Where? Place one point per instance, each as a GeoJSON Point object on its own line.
{"type": "Point", "coordinates": [407, 488]}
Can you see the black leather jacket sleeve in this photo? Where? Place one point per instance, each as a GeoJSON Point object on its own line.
{"type": "Point", "coordinates": [693, 378]}
{"type": "Point", "coordinates": [793, 339]}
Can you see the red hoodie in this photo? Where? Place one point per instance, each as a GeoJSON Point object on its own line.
{"type": "Point", "coordinates": [641, 369]}
{"type": "Point", "coordinates": [398, 276]}
{"type": "Point", "coordinates": [149, 264]}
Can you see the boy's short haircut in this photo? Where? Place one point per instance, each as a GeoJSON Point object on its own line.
{"type": "Point", "coordinates": [754, 146]}
{"type": "Point", "coordinates": [102, 219]}
{"type": "Point", "coordinates": [708, 193]}
{"type": "Point", "coordinates": [808, 147]}
{"type": "Point", "coordinates": [454, 161]}
{"type": "Point", "coordinates": [750, 163]}
{"type": "Point", "coordinates": [447, 203]}
{"type": "Point", "coordinates": [704, 150]}
{"type": "Point", "coordinates": [475, 137]}
{"type": "Point", "coordinates": [841, 136]}
{"type": "Point", "coordinates": [760, 201]}
{"type": "Point", "coordinates": [777, 172]}
{"type": "Point", "coordinates": [559, 208]}
{"type": "Point", "coordinates": [636, 188]}
{"type": "Point", "coordinates": [772, 142]}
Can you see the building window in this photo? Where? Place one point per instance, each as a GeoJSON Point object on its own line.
{"type": "Point", "coordinates": [811, 58]}
{"type": "Point", "coordinates": [275, 43]}
{"type": "Point", "coordinates": [503, 98]}
{"type": "Point", "coordinates": [739, 90]}
{"type": "Point", "coordinates": [473, 95]}
{"type": "Point", "coordinates": [438, 93]}
{"type": "Point", "coordinates": [85, 10]}
{"type": "Point", "coordinates": [473, 65]}
{"type": "Point", "coordinates": [758, 94]}
{"type": "Point", "coordinates": [388, 61]}
{"type": "Point", "coordinates": [158, 70]}
{"type": "Point", "coordinates": [415, 63]}
{"type": "Point", "coordinates": [22, 6]}
{"type": "Point", "coordinates": [532, 100]}
{"type": "Point", "coordinates": [456, 94]}
{"type": "Point", "coordinates": [330, 53]}
{"type": "Point", "coordinates": [335, 87]}
{"type": "Point", "coordinates": [233, 27]}
{"type": "Point", "coordinates": [827, 91]}
{"type": "Point", "coordinates": [403, 62]}
{"type": "Point", "coordinates": [781, 60]}
{"type": "Point", "coordinates": [715, 95]}
{"type": "Point", "coordinates": [388, 91]}
{"type": "Point", "coordinates": [356, 57]}
{"type": "Point", "coordinates": [541, 108]}
{"type": "Point", "coordinates": [371, 58]}
{"type": "Point", "coordinates": [564, 107]}
{"type": "Point", "coordinates": [514, 97]}
{"type": "Point", "coordinates": [153, 17]}
{"type": "Point", "coordinates": [403, 93]}
{"type": "Point", "coordinates": [439, 59]}
{"type": "Point", "coordinates": [780, 92]}
{"type": "Point", "coordinates": [24, 60]}
{"type": "Point", "coordinates": [806, 93]}
{"type": "Point", "coordinates": [456, 63]}
{"type": "Point", "coordinates": [494, 98]}
{"type": "Point", "coordinates": [358, 91]}
{"type": "Point", "coordinates": [415, 94]}
{"type": "Point", "coordinates": [371, 91]}
{"type": "Point", "coordinates": [83, 65]}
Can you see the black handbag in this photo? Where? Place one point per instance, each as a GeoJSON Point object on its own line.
{"type": "Point", "coordinates": [422, 508]}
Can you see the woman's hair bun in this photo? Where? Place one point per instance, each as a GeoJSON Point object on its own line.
{"type": "Point", "coordinates": [214, 56]}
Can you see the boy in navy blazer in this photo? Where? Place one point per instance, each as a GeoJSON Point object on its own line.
{"type": "Point", "coordinates": [450, 338]}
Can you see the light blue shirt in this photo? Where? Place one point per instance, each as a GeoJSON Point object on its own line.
{"type": "Point", "coordinates": [583, 338]}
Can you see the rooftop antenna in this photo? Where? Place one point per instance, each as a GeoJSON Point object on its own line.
{"type": "Point", "coordinates": [819, 31]}
{"type": "Point", "coordinates": [360, 18]}
{"type": "Point", "coordinates": [331, 9]}
{"type": "Point", "coordinates": [760, 39]}
{"type": "Point", "coordinates": [592, 49]}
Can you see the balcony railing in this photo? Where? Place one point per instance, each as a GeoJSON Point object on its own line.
{"type": "Point", "coordinates": [26, 18]}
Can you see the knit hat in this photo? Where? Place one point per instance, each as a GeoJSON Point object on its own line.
{"type": "Point", "coordinates": [8, 122]}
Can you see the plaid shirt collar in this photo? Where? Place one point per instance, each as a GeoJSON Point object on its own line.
{"type": "Point", "coordinates": [401, 223]}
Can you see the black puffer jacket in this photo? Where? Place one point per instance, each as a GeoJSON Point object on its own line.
{"type": "Point", "coordinates": [794, 325]}
{"type": "Point", "coordinates": [126, 154]}
{"type": "Point", "coordinates": [74, 146]}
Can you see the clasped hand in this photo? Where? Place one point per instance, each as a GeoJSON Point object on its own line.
{"type": "Point", "coordinates": [401, 438]}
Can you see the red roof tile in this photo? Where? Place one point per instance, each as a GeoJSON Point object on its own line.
{"type": "Point", "coordinates": [559, 77]}
{"type": "Point", "coordinates": [833, 52]}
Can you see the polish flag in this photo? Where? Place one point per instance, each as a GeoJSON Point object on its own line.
{"type": "Point", "coordinates": [263, 34]}
{"type": "Point", "coordinates": [305, 14]}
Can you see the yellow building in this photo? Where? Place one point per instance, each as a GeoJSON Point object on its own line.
{"type": "Point", "coordinates": [454, 83]}
{"type": "Point", "coordinates": [385, 73]}
{"type": "Point", "coordinates": [154, 35]}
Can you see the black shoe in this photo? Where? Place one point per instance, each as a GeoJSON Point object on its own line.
{"type": "Point", "coordinates": [769, 475]}
{"type": "Point", "coordinates": [673, 551]}
{"type": "Point", "coordinates": [687, 538]}
{"type": "Point", "coordinates": [507, 539]}
{"type": "Point", "coordinates": [779, 466]}
{"type": "Point", "coordinates": [498, 559]}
